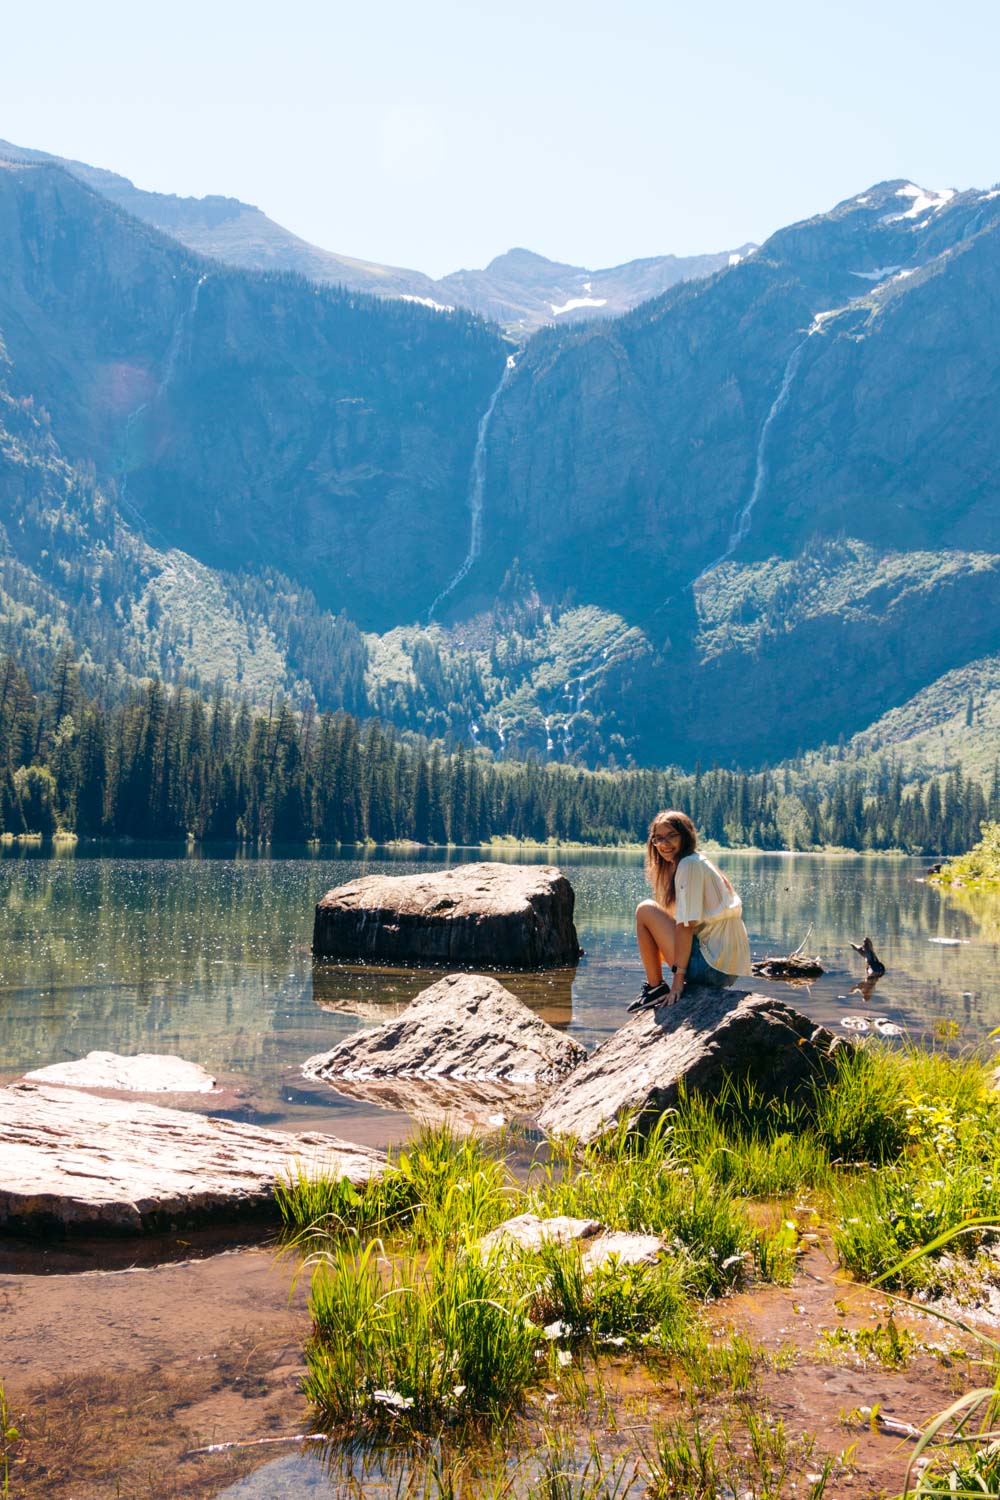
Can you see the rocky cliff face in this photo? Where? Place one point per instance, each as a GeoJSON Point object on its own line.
{"type": "Point", "coordinates": [252, 420]}
{"type": "Point", "coordinates": [772, 490]}
{"type": "Point", "coordinates": [815, 383]}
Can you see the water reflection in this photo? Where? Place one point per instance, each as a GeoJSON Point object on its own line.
{"type": "Point", "coordinates": [489, 1466]}
{"type": "Point", "coordinates": [206, 954]}
{"type": "Point", "coordinates": [376, 992]}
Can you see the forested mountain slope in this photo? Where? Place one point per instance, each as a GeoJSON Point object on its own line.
{"type": "Point", "coordinates": [252, 420]}
{"type": "Point", "coordinates": [753, 515]}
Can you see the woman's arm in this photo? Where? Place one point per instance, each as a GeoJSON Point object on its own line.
{"type": "Point", "coordinates": [683, 934]}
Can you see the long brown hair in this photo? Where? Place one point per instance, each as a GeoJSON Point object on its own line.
{"type": "Point", "coordinates": [659, 873]}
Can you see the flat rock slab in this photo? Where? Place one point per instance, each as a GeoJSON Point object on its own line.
{"type": "Point", "coordinates": [483, 915]}
{"type": "Point", "coordinates": [711, 1036]}
{"type": "Point", "coordinates": [598, 1245]}
{"type": "Point", "coordinates": [74, 1163]}
{"type": "Point", "coordinates": [465, 1029]}
{"type": "Point", "coordinates": [145, 1073]}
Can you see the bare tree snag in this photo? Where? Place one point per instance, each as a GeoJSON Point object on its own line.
{"type": "Point", "coordinates": [876, 968]}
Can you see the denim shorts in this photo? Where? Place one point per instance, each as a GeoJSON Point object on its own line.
{"type": "Point", "coordinates": [700, 971]}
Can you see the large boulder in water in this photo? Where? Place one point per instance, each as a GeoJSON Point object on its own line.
{"type": "Point", "coordinates": [76, 1163]}
{"type": "Point", "coordinates": [464, 1047]}
{"type": "Point", "coordinates": [710, 1037]}
{"type": "Point", "coordinates": [483, 916]}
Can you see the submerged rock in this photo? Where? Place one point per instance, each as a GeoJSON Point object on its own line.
{"type": "Point", "coordinates": [488, 915]}
{"type": "Point", "coordinates": [75, 1163]}
{"type": "Point", "coordinates": [145, 1073]}
{"type": "Point", "coordinates": [710, 1037]}
{"type": "Point", "coordinates": [598, 1245]}
{"type": "Point", "coordinates": [464, 1040]}
{"type": "Point", "coordinates": [466, 1107]}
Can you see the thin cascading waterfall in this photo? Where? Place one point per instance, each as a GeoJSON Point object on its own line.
{"type": "Point", "coordinates": [169, 365]}
{"type": "Point", "coordinates": [742, 527]}
{"type": "Point", "coordinates": [477, 486]}
{"type": "Point", "coordinates": [130, 420]}
{"type": "Point", "coordinates": [567, 731]}
{"type": "Point", "coordinates": [177, 337]}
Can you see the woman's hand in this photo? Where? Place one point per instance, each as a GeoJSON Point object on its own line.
{"type": "Point", "coordinates": [683, 938]}
{"type": "Point", "coordinates": [677, 988]}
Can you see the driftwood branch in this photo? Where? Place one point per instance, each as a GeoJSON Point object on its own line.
{"type": "Point", "coordinates": [792, 967]}
{"type": "Point", "coordinates": [896, 1428]}
{"type": "Point", "coordinates": [797, 951]}
{"type": "Point", "coordinates": [876, 968]}
{"type": "Point", "coordinates": [297, 1437]}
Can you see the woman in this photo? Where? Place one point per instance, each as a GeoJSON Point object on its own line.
{"type": "Point", "coordinates": [695, 923]}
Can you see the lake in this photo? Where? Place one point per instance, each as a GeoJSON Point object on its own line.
{"type": "Point", "coordinates": [207, 955]}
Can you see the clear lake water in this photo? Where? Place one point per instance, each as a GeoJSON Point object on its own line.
{"type": "Point", "coordinates": [207, 956]}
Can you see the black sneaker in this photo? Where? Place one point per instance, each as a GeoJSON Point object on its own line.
{"type": "Point", "coordinates": [650, 995]}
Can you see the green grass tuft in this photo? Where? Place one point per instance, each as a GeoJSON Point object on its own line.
{"type": "Point", "coordinates": [440, 1185]}
{"type": "Point", "coordinates": [636, 1303]}
{"type": "Point", "coordinates": [641, 1185]}
{"type": "Point", "coordinates": [436, 1342]}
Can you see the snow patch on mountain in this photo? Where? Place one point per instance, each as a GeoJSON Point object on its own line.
{"type": "Point", "coordinates": [575, 302]}
{"type": "Point", "coordinates": [427, 302]}
{"type": "Point", "coordinates": [924, 201]}
{"type": "Point", "coordinates": [879, 273]}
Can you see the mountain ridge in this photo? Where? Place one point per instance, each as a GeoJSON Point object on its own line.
{"type": "Point", "coordinates": [241, 234]}
{"type": "Point", "coordinates": [749, 516]}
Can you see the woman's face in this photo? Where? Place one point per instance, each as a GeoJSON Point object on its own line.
{"type": "Point", "coordinates": [667, 841]}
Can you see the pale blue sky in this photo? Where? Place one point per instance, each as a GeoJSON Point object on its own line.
{"type": "Point", "coordinates": [437, 134]}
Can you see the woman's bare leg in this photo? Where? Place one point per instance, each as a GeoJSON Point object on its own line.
{"type": "Point", "coordinates": [654, 932]}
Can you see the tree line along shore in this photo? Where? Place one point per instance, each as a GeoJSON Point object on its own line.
{"type": "Point", "coordinates": [170, 763]}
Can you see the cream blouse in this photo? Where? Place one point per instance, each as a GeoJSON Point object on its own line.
{"type": "Point", "coordinates": [703, 895]}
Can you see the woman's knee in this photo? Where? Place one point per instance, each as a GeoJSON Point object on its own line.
{"type": "Point", "coordinates": [647, 908]}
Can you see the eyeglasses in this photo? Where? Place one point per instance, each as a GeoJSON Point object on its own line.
{"type": "Point", "coordinates": [665, 838]}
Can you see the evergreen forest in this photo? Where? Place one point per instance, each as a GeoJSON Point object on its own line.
{"type": "Point", "coordinates": [172, 763]}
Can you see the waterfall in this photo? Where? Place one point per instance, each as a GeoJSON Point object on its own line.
{"type": "Point", "coordinates": [742, 526]}
{"type": "Point", "coordinates": [169, 365]}
{"type": "Point", "coordinates": [177, 338]}
{"type": "Point", "coordinates": [549, 743]}
{"type": "Point", "coordinates": [477, 485]}
{"type": "Point", "coordinates": [123, 470]}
